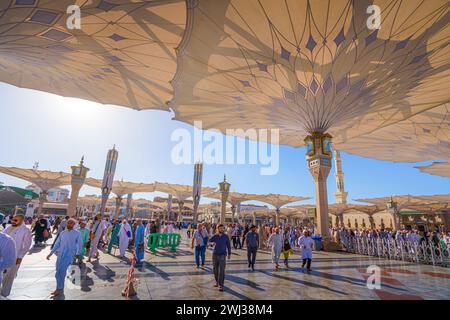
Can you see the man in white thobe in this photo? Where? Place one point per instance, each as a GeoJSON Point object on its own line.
{"type": "Point", "coordinates": [67, 247]}
{"type": "Point", "coordinates": [276, 243]}
{"type": "Point", "coordinates": [305, 242]}
{"type": "Point", "coordinates": [7, 253]}
{"type": "Point", "coordinates": [125, 235]}
{"type": "Point", "coordinates": [95, 236]}
{"type": "Point", "coordinates": [23, 238]}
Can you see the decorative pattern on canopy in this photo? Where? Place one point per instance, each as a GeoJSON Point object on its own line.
{"type": "Point", "coordinates": [123, 54]}
{"type": "Point", "coordinates": [437, 168]}
{"type": "Point", "coordinates": [425, 136]}
{"type": "Point", "coordinates": [43, 179]}
{"type": "Point", "coordinates": [311, 66]}
{"type": "Point", "coordinates": [121, 188]}
{"type": "Point", "coordinates": [297, 65]}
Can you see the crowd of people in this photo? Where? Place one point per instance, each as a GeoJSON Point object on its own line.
{"type": "Point", "coordinates": [279, 240]}
{"type": "Point", "coordinates": [437, 238]}
{"type": "Point", "coordinates": [79, 238]}
{"type": "Point", "coordinates": [73, 240]}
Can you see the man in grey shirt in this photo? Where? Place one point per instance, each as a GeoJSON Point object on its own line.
{"type": "Point", "coordinates": [252, 240]}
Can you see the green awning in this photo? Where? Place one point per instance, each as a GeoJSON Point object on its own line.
{"type": "Point", "coordinates": [410, 212]}
{"type": "Point", "coordinates": [28, 194]}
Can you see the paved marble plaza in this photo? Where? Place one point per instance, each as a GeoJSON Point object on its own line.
{"type": "Point", "coordinates": [174, 276]}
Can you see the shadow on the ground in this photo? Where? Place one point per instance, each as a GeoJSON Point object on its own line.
{"type": "Point", "coordinates": [60, 297]}
{"type": "Point", "coordinates": [102, 272]}
{"type": "Point", "coordinates": [236, 294]}
{"type": "Point", "coordinates": [244, 282]}
{"type": "Point", "coordinates": [37, 249]}
{"type": "Point", "coordinates": [303, 282]}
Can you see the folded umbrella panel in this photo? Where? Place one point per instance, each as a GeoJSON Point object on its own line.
{"type": "Point", "coordinates": [311, 66]}
{"type": "Point", "coordinates": [123, 53]}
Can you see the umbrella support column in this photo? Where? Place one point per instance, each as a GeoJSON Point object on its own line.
{"type": "Point", "coordinates": [277, 217]}
{"type": "Point", "coordinates": [42, 198]}
{"type": "Point", "coordinates": [233, 213]}
{"type": "Point", "coordinates": [118, 205]}
{"type": "Point", "coordinates": [319, 155]}
{"type": "Point", "coordinates": [77, 180]}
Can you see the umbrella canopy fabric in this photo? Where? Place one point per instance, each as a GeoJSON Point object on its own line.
{"type": "Point", "coordinates": [234, 198]}
{"type": "Point", "coordinates": [181, 192]}
{"type": "Point", "coordinates": [279, 200]}
{"type": "Point", "coordinates": [311, 66]}
{"type": "Point", "coordinates": [337, 209]}
{"type": "Point", "coordinates": [437, 168]}
{"type": "Point", "coordinates": [301, 66]}
{"type": "Point", "coordinates": [288, 212]}
{"type": "Point", "coordinates": [410, 201]}
{"type": "Point", "coordinates": [425, 136]}
{"type": "Point", "coordinates": [123, 54]}
{"type": "Point", "coordinates": [121, 188]}
{"type": "Point", "coordinates": [43, 179]}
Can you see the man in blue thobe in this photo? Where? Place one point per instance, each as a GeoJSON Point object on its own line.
{"type": "Point", "coordinates": [67, 247]}
{"type": "Point", "coordinates": [139, 240]}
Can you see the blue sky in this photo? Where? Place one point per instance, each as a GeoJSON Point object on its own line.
{"type": "Point", "coordinates": [57, 131]}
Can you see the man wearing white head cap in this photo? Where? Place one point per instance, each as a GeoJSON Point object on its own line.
{"type": "Point", "coordinates": [23, 239]}
{"type": "Point", "coordinates": [306, 244]}
{"type": "Point", "coordinates": [125, 235]}
{"type": "Point", "coordinates": [68, 246]}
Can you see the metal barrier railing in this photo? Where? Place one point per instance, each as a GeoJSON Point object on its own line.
{"type": "Point", "coordinates": [163, 240]}
{"type": "Point", "coordinates": [425, 252]}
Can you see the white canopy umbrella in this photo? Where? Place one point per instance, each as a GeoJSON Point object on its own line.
{"type": "Point", "coordinates": [124, 53]}
{"type": "Point", "coordinates": [437, 168]}
{"type": "Point", "coordinates": [312, 69]}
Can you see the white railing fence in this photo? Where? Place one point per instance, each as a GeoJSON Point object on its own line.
{"type": "Point", "coordinates": [425, 252]}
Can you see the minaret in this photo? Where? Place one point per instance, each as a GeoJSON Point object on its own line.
{"type": "Point", "coordinates": [340, 194]}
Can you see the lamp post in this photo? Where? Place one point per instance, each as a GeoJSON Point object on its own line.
{"type": "Point", "coordinates": [224, 188]}
{"type": "Point", "coordinates": [78, 176]}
